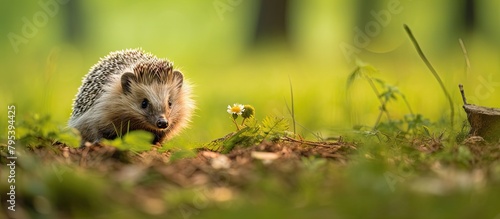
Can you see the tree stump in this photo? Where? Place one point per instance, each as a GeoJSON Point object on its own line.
{"type": "Point", "coordinates": [484, 121]}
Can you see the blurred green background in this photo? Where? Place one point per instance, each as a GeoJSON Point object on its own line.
{"type": "Point", "coordinates": [247, 51]}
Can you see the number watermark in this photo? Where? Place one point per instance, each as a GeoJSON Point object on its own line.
{"type": "Point", "coordinates": [11, 157]}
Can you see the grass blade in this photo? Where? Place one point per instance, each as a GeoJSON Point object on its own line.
{"type": "Point", "coordinates": [292, 110]}
{"type": "Point", "coordinates": [434, 73]}
{"type": "Point", "coordinates": [466, 57]}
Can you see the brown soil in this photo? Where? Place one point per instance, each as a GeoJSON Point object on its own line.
{"type": "Point", "coordinates": [206, 167]}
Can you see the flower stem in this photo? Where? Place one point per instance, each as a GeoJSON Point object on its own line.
{"type": "Point", "coordinates": [234, 121]}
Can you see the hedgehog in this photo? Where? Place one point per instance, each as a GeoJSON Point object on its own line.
{"type": "Point", "coordinates": [131, 90]}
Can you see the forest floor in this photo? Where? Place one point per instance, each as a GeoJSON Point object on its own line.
{"type": "Point", "coordinates": [288, 178]}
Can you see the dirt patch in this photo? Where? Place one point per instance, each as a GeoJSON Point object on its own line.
{"type": "Point", "coordinates": [206, 167]}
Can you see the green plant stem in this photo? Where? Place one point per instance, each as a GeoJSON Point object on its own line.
{"type": "Point", "coordinates": [235, 123]}
{"type": "Point", "coordinates": [382, 103]}
{"type": "Point", "coordinates": [409, 109]}
{"type": "Point", "coordinates": [293, 109]}
{"type": "Point", "coordinates": [426, 61]}
{"type": "Point", "coordinates": [466, 57]}
{"type": "Point", "coordinates": [408, 105]}
{"type": "Point", "coordinates": [379, 117]}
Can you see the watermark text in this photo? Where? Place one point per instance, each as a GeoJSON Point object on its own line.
{"type": "Point", "coordinates": [30, 27]}
{"type": "Point", "coordinates": [11, 157]}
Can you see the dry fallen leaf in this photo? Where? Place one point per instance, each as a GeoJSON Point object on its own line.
{"type": "Point", "coordinates": [266, 157]}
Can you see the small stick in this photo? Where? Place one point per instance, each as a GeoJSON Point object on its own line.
{"type": "Point", "coordinates": [330, 145]}
{"type": "Point", "coordinates": [461, 87]}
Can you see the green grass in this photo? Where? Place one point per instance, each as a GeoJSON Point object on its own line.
{"type": "Point", "coordinates": [387, 176]}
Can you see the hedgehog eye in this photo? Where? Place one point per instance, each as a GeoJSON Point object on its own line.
{"type": "Point", "coordinates": [169, 103]}
{"type": "Point", "coordinates": [144, 103]}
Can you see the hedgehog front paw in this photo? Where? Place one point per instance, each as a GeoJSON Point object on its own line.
{"type": "Point", "coordinates": [159, 138]}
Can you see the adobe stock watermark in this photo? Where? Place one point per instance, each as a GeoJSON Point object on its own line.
{"type": "Point", "coordinates": [11, 157]}
{"type": "Point", "coordinates": [203, 197]}
{"type": "Point", "coordinates": [224, 6]}
{"type": "Point", "coordinates": [392, 179]}
{"type": "Point", "coordinates": [31, 26]}
{"type": "Point", "coordinates": [59, 171]}
{"type": "Point", "coordinates": [497, 216]}
{"type": "Point", "coordinates": [484, 90]}
{"type": "Point", "coordinates": [364, 35]}
{"type": "Point", "coordinates": [200, 201]}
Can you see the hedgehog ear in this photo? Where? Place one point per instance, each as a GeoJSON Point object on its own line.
{"type": "Point", "coordinates": [126, 79]}
{"type": "Point", "coordinates": [178, 78]}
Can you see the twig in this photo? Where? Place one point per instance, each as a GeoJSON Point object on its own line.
{"type": "Point", "coordinates": [461, 87]}
{"type": "Point", "coordinates": [426, 61]}
{"type": "Point", "coordinates": [329, 145]}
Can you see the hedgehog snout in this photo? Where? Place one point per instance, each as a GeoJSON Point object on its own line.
{"type": "Point", "coordinates": [161, 123]}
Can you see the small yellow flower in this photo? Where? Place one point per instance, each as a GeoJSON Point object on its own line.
{"type": "Point", "coordinates": [236, 109]}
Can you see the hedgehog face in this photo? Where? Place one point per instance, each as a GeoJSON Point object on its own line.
{"type": "Point", "coordinates": [153, 102]}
